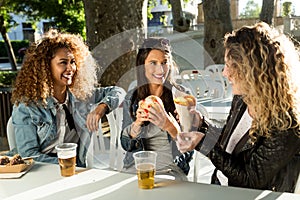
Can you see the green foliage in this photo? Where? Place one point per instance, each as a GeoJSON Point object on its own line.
{"type": "Point", "coordinates": [287, 8]}
{"type": "Point", "coordinates": [6, 21]}
{"type": "Point", "coordinates": [153, 3]}
{"type": "Point", "coordinates": [7, 78]}
{"type": "Point", "coordinates": [163, 19]}
{"type": "Point", "coordinates": [16, 44]}
{"type": "Point", "coordinates": [67, 15]}
{"type": "Point", "coordinates": [252, 10]}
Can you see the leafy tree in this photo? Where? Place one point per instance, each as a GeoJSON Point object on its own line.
{"type": "Point", "coordinates": [6, 22]}
{"type": "Point", "coordinates": [67, 15]}
{"type": "Point", "coordinates": [180, 23]}
{"type": "Point", "coordinates": [287, 8]}
{"type": "Point", "coordinates": [217, 23]}
{"type": "Point", "coordinates": [114, 30]}
{"type": "Point", "coordinates": [251, 10]}
{"type": "Point", "coordinates": [267, 11]}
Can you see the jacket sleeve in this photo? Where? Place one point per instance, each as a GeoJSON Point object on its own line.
{"type": "Point", "coordinates": [256, 165]}
{"type": "Point", "coordinates": [112, 96]}
{"type": "Point", "coordinates": [128, 143]}
{"type": "Point", "coordinates": [26, 134]}
{"type": "Point", "coordinates": [214, 133]}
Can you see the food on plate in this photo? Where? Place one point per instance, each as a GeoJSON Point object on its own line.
{"type": "Point", "coordinates": [150, 101]}
{"type": "Point", "coordinates": [15, 160]}
{"type": "Point", "coordinates": [187, 100]}
{"type": "Point", "coordinates": [4, 160]}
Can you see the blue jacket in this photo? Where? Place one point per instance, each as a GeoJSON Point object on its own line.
{"type": "Point", "coordinates": [35, 126]}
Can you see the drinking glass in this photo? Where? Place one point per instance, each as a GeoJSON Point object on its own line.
{"type": "Point", "coordinates": [66, 153]}
{"type": "Point", "coordinates": [145, 162]}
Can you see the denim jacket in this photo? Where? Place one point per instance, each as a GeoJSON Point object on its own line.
{"type": "Point", "coordinates": [35, 126]}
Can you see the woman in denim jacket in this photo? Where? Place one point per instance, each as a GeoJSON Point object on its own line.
{"type": "Point", "coordinates": [55, 98]}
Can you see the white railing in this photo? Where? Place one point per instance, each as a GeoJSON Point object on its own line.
{"type": "Point", "coordinates": [292, 26]}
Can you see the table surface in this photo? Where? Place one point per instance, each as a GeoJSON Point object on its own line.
{"type": "Point", "coordinates": [43, 181]}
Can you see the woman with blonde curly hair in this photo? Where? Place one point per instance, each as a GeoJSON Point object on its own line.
{"type": "Point", "coordinates": [53, 97]}
{"type": "Point", "coordinates": [260, 143]}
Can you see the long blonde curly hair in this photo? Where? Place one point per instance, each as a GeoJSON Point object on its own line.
{"type": "Point", "coordinates": [34, 83]}
{"type": "Point", "coordinates": [265, 63]}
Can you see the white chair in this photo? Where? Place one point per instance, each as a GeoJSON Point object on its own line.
{"type": "Point", "coordinates": [217, 70]}
{"type": "Point", "coordinates": [216, 89]}
{"type": "Point", "coordinates": [196, 81]}
{"type": "Point", "coordinates": [202, 83]}
{"type": "Point", "coordinates": [201, 169]}
{"type": "Point", "coordinates": [117, 153]}
{"type": "Point", "coordinates": [10, 134]}
{"type": "Point", "coordinates": [106, 152]}
{"type": "Point", "coordinates": [132, 85]}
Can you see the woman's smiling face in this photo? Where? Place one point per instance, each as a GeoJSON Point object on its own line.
{"type": "Point", "coordinates": [157, 66]}
{"type": "Point", "coordinates": [63, 67]}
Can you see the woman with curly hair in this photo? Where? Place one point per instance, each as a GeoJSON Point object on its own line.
{"type": "Point", "coordinates": [54, 96]}
{"type": "Point", "coordinates": [260, 143]}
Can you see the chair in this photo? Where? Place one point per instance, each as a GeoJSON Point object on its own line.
{"type": "Point", "coordinates": [196, 81]}
{"type": "Point", "coordinates": [201, 169]}
{"type": "Point", "coordinates": [202, 83]}
{"type": "Point", "coordinates": [132, 85]}
{"type": "Point", "coordinates": [217, 70]}
{"type": "Point", "coordinates": [106, 152]}
{"type": "Point", "coordinates": [10, 134]}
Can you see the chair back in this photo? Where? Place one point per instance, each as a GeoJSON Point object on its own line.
{"type": "Point", "coordinates": [195, 80]}
{"type": "Point", "coordinates": [203, 83]}
{"type": "Point", "coordinates": [132, 85]}
{"type": "Point", "coordinates": [10, 134]}
{"type": "Point", "coordinates": [106, 151]}
{"type": "Point", "coordinates": [217, 71]}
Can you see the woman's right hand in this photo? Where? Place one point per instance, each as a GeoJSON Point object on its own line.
{"type": "Point", "coordinates": [141, 117]}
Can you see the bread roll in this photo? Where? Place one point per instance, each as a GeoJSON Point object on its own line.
{"type": "Point", "coordinates": [150, 101]}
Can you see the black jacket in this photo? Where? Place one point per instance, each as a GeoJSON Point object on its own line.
{"type": "Point", "coordinates": [268, 164]}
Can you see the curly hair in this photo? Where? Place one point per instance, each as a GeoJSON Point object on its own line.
{"type": "Point", "coordinates": [34, 83]}
{"type": "Point", "coordinates": [265, 62]}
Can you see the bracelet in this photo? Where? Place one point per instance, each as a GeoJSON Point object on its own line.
{"type": "Point", "coordinates": [204, 126]}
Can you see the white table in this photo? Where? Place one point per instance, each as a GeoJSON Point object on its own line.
{"type": "Point", "coordinates": [43, 181]}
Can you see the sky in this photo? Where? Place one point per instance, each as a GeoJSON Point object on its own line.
{"type": "Point", "coordinates": [295, 5]}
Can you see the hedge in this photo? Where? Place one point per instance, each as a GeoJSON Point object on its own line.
{"type": "Point", "coordinates": [16, 45]}
{"type": "Point", "coordinates": [7, 78]}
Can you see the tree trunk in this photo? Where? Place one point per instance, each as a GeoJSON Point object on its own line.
{"type": "Point", "coordinates": [217, 22]}
{"type": "Point", "coordinates": [180, 23]}
{"type": "Point", "coordinates": [8, 46]}
{"type": "Point", "coordinates": [267, 11]}
{"type": "Point", "coordinates": [114, 29]}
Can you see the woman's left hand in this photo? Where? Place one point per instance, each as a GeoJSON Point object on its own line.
{"type": "Point", "coordinates": [93, 118]}
{"type": "Point", "coordinates": [188, 141]}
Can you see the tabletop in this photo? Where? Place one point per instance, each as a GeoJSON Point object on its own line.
{"type": "Point", "coordinates": [43, 181]}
